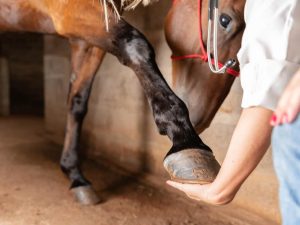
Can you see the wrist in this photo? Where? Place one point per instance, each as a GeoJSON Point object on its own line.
{"type": "Point", "coordinates": [219, 195]}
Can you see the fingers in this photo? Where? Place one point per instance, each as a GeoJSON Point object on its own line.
{"type": "Point", "coordinates": [176, 185]}
{"type": "Point", "coordinates": [287, 111]}
{"type": "Point", "coordinates": [193, 191]}
{"type": "Point", "coordinates": [200, 193]}
{"type": "Point", "coordinates": [281, 113]}
{"type": "Point", "coordinates": [181, 187]}
{"type": "Point", "coordinates": [293, 108]}
{"type": "Point", "coordinates": [289, 104]}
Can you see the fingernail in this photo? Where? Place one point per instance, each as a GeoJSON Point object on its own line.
{"type": "Point", "coordinates": [273, 119]}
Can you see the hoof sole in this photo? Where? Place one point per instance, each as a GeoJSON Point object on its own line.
{"type": "Point", "coordinates": [193, 166]}
{"type": "Point", "coordinates": [85, 195]}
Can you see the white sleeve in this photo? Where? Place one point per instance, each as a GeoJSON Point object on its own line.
{"type": "Point", "coordinates": [270, 52]}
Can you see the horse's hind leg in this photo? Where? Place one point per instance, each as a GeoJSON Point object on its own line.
{"type": "Point", "coordinates": [170, 113]}
{"type": "Point", "coordinates": [85, 62]}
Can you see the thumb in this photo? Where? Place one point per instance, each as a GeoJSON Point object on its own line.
{"type": "Point", "coordinates": [176, 185]}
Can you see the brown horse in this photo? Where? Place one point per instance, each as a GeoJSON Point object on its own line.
{"type": "Point", "coordinates": [201, 90]}
{"type": "Point", "coordinates": [82, 23]}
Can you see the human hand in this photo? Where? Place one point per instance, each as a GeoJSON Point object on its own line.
{"type": "Point", "coordinates": [288, 106]}
{"type": "Point", "coordinates": [200, 192]}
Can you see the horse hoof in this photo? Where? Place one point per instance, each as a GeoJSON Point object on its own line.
{"type": "Point", "coordinates": [193, 166]}
{"type": "Point", "coordinates": [85, 195]}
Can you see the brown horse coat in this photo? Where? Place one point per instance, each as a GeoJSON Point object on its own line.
{"type": "Point", "coordinates": [82, 23]}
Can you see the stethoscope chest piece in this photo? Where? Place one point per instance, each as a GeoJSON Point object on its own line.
{"type": "Point", "coordinates": [213, 15]}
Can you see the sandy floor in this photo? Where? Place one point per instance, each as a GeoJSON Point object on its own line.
{"type": "Point", "coordinates": [33, 190]}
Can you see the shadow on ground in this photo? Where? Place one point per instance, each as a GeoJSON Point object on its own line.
{"type": "Point", "coordinates": [33, 191]}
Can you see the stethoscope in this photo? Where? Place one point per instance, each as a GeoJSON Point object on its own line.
{"type": "Point", "coordinates": [213, 15]}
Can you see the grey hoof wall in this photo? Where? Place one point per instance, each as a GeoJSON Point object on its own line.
{"type": "Point", "coordinates": [85, 195]}
{"type": "Point", "coordinates": [194, 166]}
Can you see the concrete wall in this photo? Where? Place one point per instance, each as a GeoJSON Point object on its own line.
{"type": "Point", "coordinates": [22, 72]}
{"type": "Point", "coordinates": [4, 88]}
{"type": "Point", "coordinates": [119, 125]}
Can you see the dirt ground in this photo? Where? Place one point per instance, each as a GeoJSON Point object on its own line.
{"type": "Point", "coordinates": [33, 191]}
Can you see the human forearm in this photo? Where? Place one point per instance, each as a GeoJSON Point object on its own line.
{"type": "Point", "coordinates": [249, 143]}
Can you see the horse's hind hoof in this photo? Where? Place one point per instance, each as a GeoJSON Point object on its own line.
{"type": "Point", "coordinates": [192, 166]}
{"type": "Point", "coordinates": [85, 195]}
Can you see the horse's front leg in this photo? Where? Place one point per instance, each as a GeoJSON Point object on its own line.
{"type": "Point", "coordinates": [189, 158]}
{"type": "Point", "coordinates": [85, 62]}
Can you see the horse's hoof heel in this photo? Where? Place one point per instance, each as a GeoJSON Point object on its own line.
{"type": "Point", "coordinates": [85, 195]}
{"type": "Point", "coordinates": [192, 166]}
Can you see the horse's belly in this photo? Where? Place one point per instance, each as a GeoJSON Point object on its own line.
{"type": "Point", "coordinates": [24, 15]}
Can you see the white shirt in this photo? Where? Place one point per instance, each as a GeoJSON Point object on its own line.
{"type": "Point", "coordinates": [270, 51]}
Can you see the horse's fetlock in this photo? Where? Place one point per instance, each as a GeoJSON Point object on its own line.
{"type": "Point", "coordinates": [64, 169]}
{"type": "Point", "coordinates": [68, 161]}
{"type": "Point", "coordinates": [80, 183]}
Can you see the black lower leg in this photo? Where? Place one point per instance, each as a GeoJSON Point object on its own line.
{"type": "Point", "coordinates": [70, 157]}
{"type": "Point", "coordinates": [172, 119]}
{"type": "Point", "coordinates": [170, 113]}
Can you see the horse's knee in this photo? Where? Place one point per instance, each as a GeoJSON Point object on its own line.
{"type": "Point", "coordinates": [131, 47]}
{"type": "Point", "coordinates": [137, 50]}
